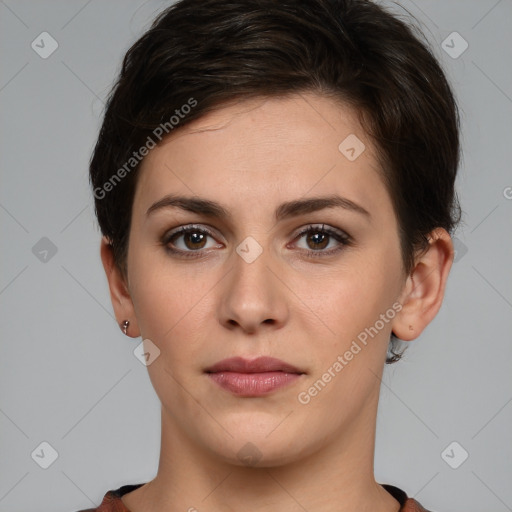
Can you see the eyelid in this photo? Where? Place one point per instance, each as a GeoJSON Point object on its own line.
{"type": "Point", "coordinates": [203, 228]}
{"type": "Point", "coordinates": [190, 227]}
{"type": "Point", "coordinates": [343, 238]}
{"type": "Point", "coordinates": [322, 228]}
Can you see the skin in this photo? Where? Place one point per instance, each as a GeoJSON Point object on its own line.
{"type": "Point", "coordinates": [303, 309]}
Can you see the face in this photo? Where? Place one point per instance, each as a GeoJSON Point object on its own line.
{"type": "Point", "coordinates": [265, 272]}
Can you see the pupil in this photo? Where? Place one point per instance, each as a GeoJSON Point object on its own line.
{"type": "Point", "coordinates": [319, 238]}
{"type": "Point", "coordinates": [196, 238]}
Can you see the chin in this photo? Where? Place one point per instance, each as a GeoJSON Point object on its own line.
{"type": "Point", "coordinates": [256, 448]}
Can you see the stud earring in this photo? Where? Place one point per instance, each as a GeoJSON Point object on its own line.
{"type": "Point", "coordinates": [124, 327]}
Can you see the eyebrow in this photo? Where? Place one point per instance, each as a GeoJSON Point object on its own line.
{"type": "Point", "coordinates": [284, 211]}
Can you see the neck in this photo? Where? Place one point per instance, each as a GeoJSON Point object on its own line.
{"type": "Point", "coordinates": [337, 477]}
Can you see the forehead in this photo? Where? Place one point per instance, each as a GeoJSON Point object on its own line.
{"type": "Point", "coordinates": [264, 149]}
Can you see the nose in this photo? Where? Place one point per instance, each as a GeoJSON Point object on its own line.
{"type": "Point", "coordinates": [253, 296]}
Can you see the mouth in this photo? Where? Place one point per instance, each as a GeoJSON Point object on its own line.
{"type": "Point", "coordinates": [251, 378]}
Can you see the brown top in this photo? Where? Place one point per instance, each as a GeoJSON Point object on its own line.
{"type": "Point", "coordinates": [112, 500]}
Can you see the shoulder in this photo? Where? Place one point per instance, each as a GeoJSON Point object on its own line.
{"type": "Point", "coordinates": [112, 500]}
{"type": "Point", "coordinates": [406, 504]}
{"type": "Point", "coordinates": [111, 503]}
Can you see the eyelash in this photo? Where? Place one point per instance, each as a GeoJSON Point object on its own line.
{"type": "Point", "coordinates": [339, 236]}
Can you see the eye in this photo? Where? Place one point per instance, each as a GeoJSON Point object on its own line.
{"type": "Point", "coordinates": [320, 237]}
{"type": "Point", "coordinates": [193, 240]}
{"type": "Point", "coordinates": [190, 241]}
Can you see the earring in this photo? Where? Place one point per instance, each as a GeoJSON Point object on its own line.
{"type": "Point", "coordinates": [124, 326]}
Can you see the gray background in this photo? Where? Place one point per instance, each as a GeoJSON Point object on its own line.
{"type": "Point", "coordinates": [68, 375]}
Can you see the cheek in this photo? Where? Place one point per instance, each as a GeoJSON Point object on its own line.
{"type": "Point", "coordinates": [350, 309]}
{"type": "Point", "coordinates": [170, 304]}
{"type": "Point", "coordinates": [353, 296]}
{"type": "Point", "coordinates": [175, 303]}
{"type": "Point", "coordinates": [346, 360]}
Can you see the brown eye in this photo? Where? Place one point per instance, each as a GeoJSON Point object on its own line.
{"type": "Point", "coordinates": [193, 239]}
{"type": "Point", "coordinates": [187, 240]}
{"type": "Point", "coordinates": [317, 238]}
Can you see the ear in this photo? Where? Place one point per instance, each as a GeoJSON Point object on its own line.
{"type": "Point", "coordinates": [119, 292]}
{"type": "Point", "coordinates": [423, 291]}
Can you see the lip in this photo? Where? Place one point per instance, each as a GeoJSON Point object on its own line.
{"type": "Point", "coordinates": [251, 378]}
{"type": "Point", "coordinates": [258, 365]}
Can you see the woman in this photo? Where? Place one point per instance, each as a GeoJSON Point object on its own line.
{"type": "Point", "coordinates": [275, 186]}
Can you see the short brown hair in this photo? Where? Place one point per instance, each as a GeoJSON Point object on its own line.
{"type": "Point", "coordinates": [355, 51]}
